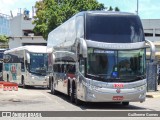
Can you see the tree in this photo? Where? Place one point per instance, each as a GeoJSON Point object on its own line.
{"type": "Point", "coordinates": [4, 39]}
{"type": "Point", "coordinates": [115, 9]}
{"type": "Point", "coordinates": [110, 8]}
{"type": "Point", "coordinates": [52, 13]}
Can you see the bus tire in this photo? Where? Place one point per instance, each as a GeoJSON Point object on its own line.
{"type": "Point", "coordinates": [53, 91]}
{"type": "Point", "coordinates": [68, 88]}
{"type": "Point", "coordinates": [49, 86]}
{"type": "Point", "coordinates": [125, 103]}
{"type": "Point", "coordinates": [72, 93]}
{"type": "Point", "coordinates": [23, 83]}
{"type": "Point", "coordinates": [7, 78]}
{"type": "Point", "coordinates": [76, 100]}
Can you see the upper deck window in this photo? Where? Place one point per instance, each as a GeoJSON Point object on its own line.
{"type": "Point", "coordinates": [114, 28]}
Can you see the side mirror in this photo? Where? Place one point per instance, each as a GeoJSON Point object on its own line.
{"type": "Point", "coordinates": [53, 58]}
{"type": "Point", "coordinates": [83, 48]}
{"type": "Point", "coordinates": [152, 51]}
{"type": "Point", "coordinates": [28, 58]}
{"type": "Point", "coordinates": [82, 69]}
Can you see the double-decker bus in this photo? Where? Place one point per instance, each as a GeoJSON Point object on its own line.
{"type": "Point", "coordinates": [99, 56]}
{"type": "Point", "coordinates": [1, 62]}
{"type": "Point", "coordinates": [26, 65]}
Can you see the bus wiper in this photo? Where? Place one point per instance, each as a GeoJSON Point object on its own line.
{"type": "Point", "coordinates": [140, 77]}
{"type": "Point", "coordinates": [103, 75]}
{"type": "Point", "coordinates": [96, 77]}
{"type": "Point", "coordinates": [39, 73]}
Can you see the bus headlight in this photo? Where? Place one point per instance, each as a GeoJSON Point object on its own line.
{"type": "Point", "coordinates": [32, 77]}
{"type": "Point", "coordinates": [46, 77]}
{"type": "Point", "coordinates": [140, 88]}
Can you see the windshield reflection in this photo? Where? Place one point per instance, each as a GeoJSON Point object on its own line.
{"type": "Point", "coordinates": [116, 65]}
{"type": "Point", "coordinates": [38, 63]}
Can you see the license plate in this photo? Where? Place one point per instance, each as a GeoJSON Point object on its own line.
{"type": "Point", "coordinates": [117, 98]}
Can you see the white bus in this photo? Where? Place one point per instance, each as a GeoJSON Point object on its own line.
{"type": "Point", "coordinates": [99, 56]}
{"type": "Point", "coordinates": [26, 65]}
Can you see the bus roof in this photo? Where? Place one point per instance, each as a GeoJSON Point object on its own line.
{"type": "Point", "coordinates": [59, 36]}
{"type": "Point", "coordinates": [105, 13]}
{"type": "Point", "coordinates": [30, 48]}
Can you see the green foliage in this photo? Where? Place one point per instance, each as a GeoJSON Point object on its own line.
{"type": "Point", "coordinates": [4, 38]}
{"type": "Point", "coordinates": [110, 8]}
{"type": "Point", "coordinates": [115, 9]}
{"type": "Point", "coordinates": [52, 13]}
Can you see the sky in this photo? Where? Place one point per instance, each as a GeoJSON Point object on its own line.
{"type": "Point", "coordinates": [16, 6]}
{"type": "Point", "coordinates": [148, 9]}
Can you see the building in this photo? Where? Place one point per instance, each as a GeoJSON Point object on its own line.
{"type": "Point", "coordinates": [152, 29]}
{"type": "Point", "coordinates": [4, 24]}
{"type": "Point", "coordinates": [4, 28]}
{"type": "Point", "coordinates": [22, 32]}
{"type": "Point", "coordinates": [152, 32]}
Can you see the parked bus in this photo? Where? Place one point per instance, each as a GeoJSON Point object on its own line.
{"type": "Point", "coordinates": [26, 65]}
{"type": "Point", "coordinates": [1, 62]}
{"type": "Point", "coordinates": [99, 56]}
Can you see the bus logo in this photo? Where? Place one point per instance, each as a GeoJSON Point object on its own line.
{"type": "Point", "coordinates": [118, 90]}
{"type": "Point", "coordinates": [118, 85]}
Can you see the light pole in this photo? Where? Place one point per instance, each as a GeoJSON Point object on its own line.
{"type": "Point", "coordinates": [137, 6]}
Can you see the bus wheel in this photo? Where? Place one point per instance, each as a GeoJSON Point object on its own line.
{"type": "Point", "coordinates": [77, 101]}
{"type": "Point", "coordinates": [125, 103]}
{"type": "Point", "coordinates": [74, 95]}
{"type": "Point", "coordinates": [53, 91]}
{"type": "Point", "coordinates": [49, 86]}
{"type": "Point", "coordinates": [72, 92]}
{"type": "Point", "coordinates": [23, 84]}
{"type": "Point", "coordinates": [7, 78]}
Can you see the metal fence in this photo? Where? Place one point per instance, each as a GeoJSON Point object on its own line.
{"type": "Point", "coordinates": [152, 78]}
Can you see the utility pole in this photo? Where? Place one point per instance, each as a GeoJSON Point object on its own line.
{"type": "Point", "coordinates": [137, 6]}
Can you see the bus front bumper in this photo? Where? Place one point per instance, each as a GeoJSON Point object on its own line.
{"type": "Point", "coordinates": [111, 95]}
{"type": "Point", "coordinates": [38, 81]}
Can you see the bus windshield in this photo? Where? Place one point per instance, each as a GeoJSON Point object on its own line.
{"type": "Point", "coordinates": [38, 63]}
{"type": "Point", "coordinates": [114, 28]}
{"type": "Point", "coordinates": [116, 66]}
